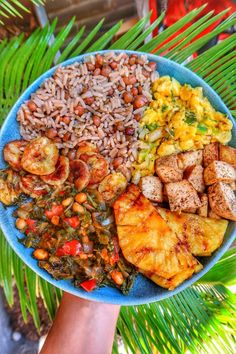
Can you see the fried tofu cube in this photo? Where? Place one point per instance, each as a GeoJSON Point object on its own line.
{"type": "Point", "coordinates": [219, 171]}
{"type": "Point", "coordinates": [213, 215]}
{"type": "Point", "coordinates": [182, 196]}
{"type": "Point", "coordinates": [210, 153]}
{"type": "Point", "coordinates": [169, 174]}
{"type": "Point", "coordinates": [190, 158]}
{"type": "Point", "coordinates": [228, 154]}
{"type": "Point", "coordinates": [203, 210]}
{"type": "Point", "coordinates": [151, 188]}
{"type": "Point", "coordinates": [190, 210]}
{"type": "Point", "coordinates": [194, 174]}
{"type": "Point", "coordinates": [222, 200]}
{"type": "Point", "coordinates": [167, 169]}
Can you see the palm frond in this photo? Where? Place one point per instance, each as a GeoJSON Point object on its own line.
{"type": "Point", "coordinates": [183, 322]}
{"type": "Point", "coordinates": [200, 314]}
{"type": "Point", "coordinates": [13, 8]}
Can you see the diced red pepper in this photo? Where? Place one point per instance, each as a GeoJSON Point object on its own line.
{"type": "Point", "coordinates": [73, 222]}
{"type": "Point", "coordinates": [31, 226]}
{"type": "Point", "coordinates": [56, 210]}
{"type": "Point", "coordinates": [89, 285]}
{"type": "Point", "coordinates": [115, 255]}
{"type": "Point", "coordinates": [62, 193]}
{"type": "Point", "coordinates": [70, 248]}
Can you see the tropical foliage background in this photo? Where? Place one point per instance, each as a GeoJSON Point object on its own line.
{"type": "Point", "coordinates": [201, 318]}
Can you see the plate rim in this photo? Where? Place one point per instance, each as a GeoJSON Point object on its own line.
{"type": "Point", "coordinates": [69, 287]}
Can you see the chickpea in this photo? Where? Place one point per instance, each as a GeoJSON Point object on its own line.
{"type": "Point", "coordinates": [113, 65]}
{"type": "Point", "coordinates": [51, 133]}
{"type": "Point", "coordinates": [77, 208]}
{"type": "Point", "coordinates": [90, 66]}
{"type": "Point", "coordinates": [97, 72]}
{"type": "Point", "coordinates": [55, 220]}
{"type": "Point", "coordinates": [66, 120]}
{"type": "Point", "coordinates": [96, 121]}
{"type": "Point", "coordinates": [117, 162]}
{"type": "Point", "coordinates": [32, 106]}
{"type": "Point", "coordinates": [66, 202]}
{"type": "Point", "coordinates": [128, 98]}
{"type": "Point", "coordinates": [106, 70]}
{"type": "Point", "coordinates": [140, 101]}
{"type": "Point", "coordinates": [99, 59]}
{"type": "Point", "coordinates": [79, 110]}
{"type": "Point", "coordinates": [20, 223]}
{"type": "Point", "coordinates": [152, 65]}
{"type": "Point", "coordinates": [41, 254]}
{"type": "Point", "coordinates": [81, 198]}
{"type": "Point", "coordinates": [117, 277]}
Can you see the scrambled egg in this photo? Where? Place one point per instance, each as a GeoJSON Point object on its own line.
{"type": "Point", "coordinates": [179, 118]}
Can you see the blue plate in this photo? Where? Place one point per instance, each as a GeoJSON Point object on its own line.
{"type": "Point", "coordinates": [144, 291]}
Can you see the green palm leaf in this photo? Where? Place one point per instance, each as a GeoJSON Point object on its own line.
{"type": "Point", "coordinates": [13, 7]}
{"type": "Point", "coordinates": [199, 318]}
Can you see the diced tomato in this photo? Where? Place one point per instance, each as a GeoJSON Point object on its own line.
{"type": "Point", "coordinates": [56, 210]}
{"type": "Point", "coordinates": [70, 248]}
{"type": "Point", "coordinates": [73, 222]}
{"type": "Point", "coordinates": [31, 226]}
{"type": "Point", "coordinates": [62, 193]}
{"type": "Point", "coordinates": [88, 285]}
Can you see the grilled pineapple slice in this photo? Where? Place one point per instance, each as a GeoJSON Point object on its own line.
{"type": "Point", "coordinates": [147, 241]}
{"type": "Point", "coordinates": [203, 235]}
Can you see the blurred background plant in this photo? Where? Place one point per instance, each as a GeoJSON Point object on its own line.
{"type": "Point", "coordinates": [201, 318]}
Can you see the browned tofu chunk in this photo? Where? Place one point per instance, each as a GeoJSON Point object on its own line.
{"type": "Point", "coordinates": [151, 188]}
{"type": "Point", "coordinates": [203, 210]}
{"type": "Point", "coordinates": [168, 170]}
{"type": "Point", "coordinates": [222, 200]}
{"type": "Point", "coordinates": [210, 153]}
{"type": "Point", "coordinates": [190, 210]}
{"type": "Point", "coordinates": [190, 158]}
{"type": "Point", "coordinates": [228, 154]}
{"type": "Point", "coordinates": [169, 174]}
{"type": "Point", "coordinates": [182, 196]}
{"type": "Point", "coordinates": [219, 171]}
{"type": "Point", "coordinates": [194, 174]}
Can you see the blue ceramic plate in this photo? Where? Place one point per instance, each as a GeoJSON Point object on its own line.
{"type": "Point", "coordinates": [144, 291]}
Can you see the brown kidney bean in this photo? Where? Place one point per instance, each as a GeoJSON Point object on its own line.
{"type": "Point", "coordinates": [130, 80]}
{"type": "Point", "coordinates": [132, 60]}
{"type": "Point", "coordinates": [97, 72]}
{"type": "Point", "coordinates": [99, 60]}
{"type": "Point", "coordinates": [146, 73]}
{"type": "Point", "coordinates": [51, 133]}
{"type": "Point", "coordinates": [71, 154]}
{"type": "Point", "coordinates": [152, 65]}
{"type": "Point", "coordinates": [113, 65]}
{"type": "Point", "coordinates": [140, 89]}
{"type": "Point", "coordinates": [128, 97]}
{"type": "Point", "coordinates": [137, 117]}
{"type": "Point", "coordinates": [90, 66]}
{"type": "Point", "coordinates": [140, 101]}
{"type": "Point", "coordinates": [79, 110]}
{"type": "Point", "coordinates": [89, 100]}
{"type": "Point", "coordinates": [134, 91]}
{"type": "Point", "coordinates": [66, 120]}
{"type": "Point", "coordinates": [106, 70]}
{"type": "Point", "coordinates": [129, 131]}
{"type": "Point", "coordinates": [66, 137]}
{"type": "Point", "coordinates": [96, 121]}
{"type": "Point", "coordinates": [110, 92]}
{"type": "Point", "coordinates": [32, 106]}
{"type": "Point", "coordinates": [117, 162]}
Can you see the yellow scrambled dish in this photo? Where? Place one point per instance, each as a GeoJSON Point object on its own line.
{"type": "Point", "coordinates": [179, 118]}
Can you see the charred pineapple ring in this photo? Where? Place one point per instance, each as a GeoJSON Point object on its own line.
{"type": "Point", "coordinates": [112, 185]}
{"type": "Point", "coordinates": [98, 167]}
{"type": "Point", "coordinates": [40, 156]}
{"type": "Point", "coordinates": [60, 175]}
{"type": "Point", "coordinates": [33, 186]}
{"type": "Point", "coordinates": [79, 174]}
{"type": "Point", "coordinates": [13, 152]}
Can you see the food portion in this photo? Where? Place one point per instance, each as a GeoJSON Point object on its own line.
{"type": "Point", "coordinates": [118, 172]}
{"type": "Point", "coordinates": [149, 243]}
